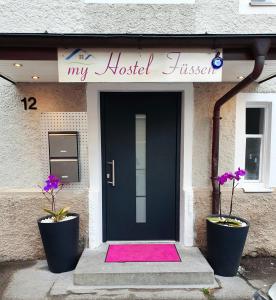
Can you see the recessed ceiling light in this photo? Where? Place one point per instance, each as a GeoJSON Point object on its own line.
{"type": "Point", "coordinates": [35, 77]}
{"type": "Point", "coordinates": [240, 77]}
{"type": "Point", "coordinates": [18, 65]}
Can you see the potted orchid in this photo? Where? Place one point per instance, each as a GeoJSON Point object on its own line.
{"type": "Point", "coordinates": [59, 230]}
{"type": "Point", "coordinates": [226, 234]}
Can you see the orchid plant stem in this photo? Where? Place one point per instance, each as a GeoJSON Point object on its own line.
{"type": "Point", "coordinates": [52, 196]}
{"type": "Point", "coordinates": [60, 188]}
{"type": "Point", "coordinates": [53, 200]}
{"type": "Point", "coordinates": [45, 194]}
{"type": "Point", "coordinates": [219, 202]}
{"type": "Point", "coordinates": [232, 195]}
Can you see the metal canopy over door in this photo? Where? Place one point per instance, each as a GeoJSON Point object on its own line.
{"type": "Point", "coordinates": [140, 139]}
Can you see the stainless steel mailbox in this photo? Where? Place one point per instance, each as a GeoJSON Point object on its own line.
{"type": "Point", "coordinates": [66, 169]}
{"type": "Point", "coordinates": [63, 144]}
{"type": "Point", "coordinates": [63, 152]}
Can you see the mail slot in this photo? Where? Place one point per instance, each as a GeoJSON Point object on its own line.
{"type": "Point", "coordinates": [66, 169]}
{"type": "Point", "coordinates": [63, 144]}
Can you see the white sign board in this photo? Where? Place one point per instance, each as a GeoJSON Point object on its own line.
{"type": "Point", "coordinates": [133, 65]}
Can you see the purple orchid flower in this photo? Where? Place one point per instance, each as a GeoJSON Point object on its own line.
{"type": "Point", "coordinates": [239, 173]}
{"type": "Point", "coordinates": [52, 183]}
{"type": "Point", "coordinates": [230, 176]}
{"type": "Point", "coordinates": [222, 179]}
{"type": "Point", "coordinates": [51, 188]}
{"type": "Point", "coordinates": [225, 177]}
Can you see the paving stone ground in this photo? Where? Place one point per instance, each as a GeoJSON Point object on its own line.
{"type": "Point", "coordinates": [260, 271]}
{"type": "Point", "coordinates": [33, 281]}
{"type": "Point", "coordinates": [7, 270]}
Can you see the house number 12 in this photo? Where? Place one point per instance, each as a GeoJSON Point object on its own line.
{"type": "Point", "coordinates": [29, 103]}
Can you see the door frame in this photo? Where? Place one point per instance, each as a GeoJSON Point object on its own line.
{"type": "Point", "coordinates": [177, 167]}
{"type": "Point", "coordinates": [186, 210]}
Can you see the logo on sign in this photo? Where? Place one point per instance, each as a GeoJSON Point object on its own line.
{"type": "Point", "coordinates": [81, 57]}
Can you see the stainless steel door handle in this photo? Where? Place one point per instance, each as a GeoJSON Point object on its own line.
{"type": "Point", "coordinates": [112, 163]}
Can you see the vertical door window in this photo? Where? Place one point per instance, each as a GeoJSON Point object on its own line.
{"type": "Point", "coordinates": [254, 142]}
{"type": "Point", "coordinates": [140, 137]}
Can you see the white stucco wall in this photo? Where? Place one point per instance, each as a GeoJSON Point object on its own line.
{"type": "Point", "coordinates": [206, 94]}
{"type": "Point", "coordinates": [20, 209]}
{"type": "Point", "coordinates": [258, 208]}
{"type": "Point", "coordinates": [78, 17]}
{"type": "Point", "coordinates": [215, 16]}
{"type": "Point", "coordinates": [20, 167]}
{"type": "Point", "coordinates": [75, 16]}
{"type": "Point", "coordinates": [205, 97]}
{"type": "Point", "coordinates": [20, 146]}
{"type": "Point", "coordinates": [20, 143]}
{"type": "Point", "coordinates": [21, 203]}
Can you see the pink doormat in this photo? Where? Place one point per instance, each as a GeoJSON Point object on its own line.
{"type": "Point", "coordinates": [142, 253]}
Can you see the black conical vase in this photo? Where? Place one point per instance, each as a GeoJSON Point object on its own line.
{"type": "Point", "coordinates": [225, 245]}
{"type": "Point", "coordinates": [60, 241]}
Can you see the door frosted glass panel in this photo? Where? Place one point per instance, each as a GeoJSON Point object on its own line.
{"type": "Point", "coordinates": [140, 209]}
{"type": "Point", "coordinates": [252, 158]}
{"type": "Point", "coordinates": [140, 183]}
{"type": "Point", "coordinates": [140, 137]}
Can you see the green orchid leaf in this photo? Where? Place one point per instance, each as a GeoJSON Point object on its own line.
{"type": "Point", "coordinates": [50, 212]}
{"type": "Point", "coordinates": [225, 221]}
{"type": "Point", "coordinates": [58, 215]}
{"type": "Point", "coordinates": [65, 210]}
{"type": "Point", "coordinates": [215, 219]}
{"type": "Point", "coordinates": [233, 223]}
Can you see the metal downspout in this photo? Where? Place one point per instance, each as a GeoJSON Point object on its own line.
{"type": "Point", "coordinates": [261, 49]}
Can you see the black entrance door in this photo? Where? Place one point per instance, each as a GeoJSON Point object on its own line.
{"type": "Point", "coordinates": [140, 140]}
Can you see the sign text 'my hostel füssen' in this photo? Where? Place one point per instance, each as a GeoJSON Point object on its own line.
{"type": "Point", "coordinates": [133, 65]}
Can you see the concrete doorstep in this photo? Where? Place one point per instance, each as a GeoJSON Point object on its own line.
{"type": "Point", "coordinates": [37, 283]}
{"type": "Point", "coordinates": [192, 271]}
{"type": "Point", "coordinates": [190, 279]}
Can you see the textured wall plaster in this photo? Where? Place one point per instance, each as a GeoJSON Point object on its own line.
{"type": "Point", "coordinates": [205, 97]}
{"type": "Point", "coordinates": [20, 167]}
{"type": "Point", "coordinates": [41, 15]}
{"type": "Point", "coordinates": [139, 18]}
{"type": "Point", "coordinates": [259, 209]}
{"type": "Point", "coordinates": [19, 234]}
{"type": "Point", "coordinates": [266, 87]}
{"type": "Point", "coordinates": [20, 146]}
{"type": "Point", "coordinates": [216, 16]}
{"type": "Point", "coordinates": [75, 16]}
{"type": "Point", "coordinates": [20, 130]}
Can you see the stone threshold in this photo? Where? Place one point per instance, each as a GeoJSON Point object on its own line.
{"type": "Point", "coordinates": [193, 270]}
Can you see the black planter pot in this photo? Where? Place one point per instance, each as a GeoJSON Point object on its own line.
{"type": "Point", "coordinates": [225, 246]}
{"type": "Point", "coordinates": [60, 241]}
